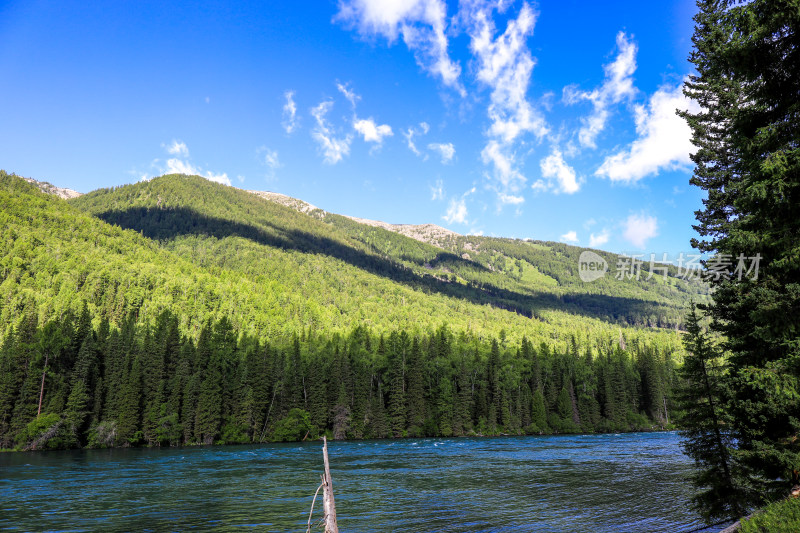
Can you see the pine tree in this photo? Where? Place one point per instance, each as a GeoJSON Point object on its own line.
{"type": "Point", "coordinates": [706, 434]}
{"type": "Point", "coordinates": [208, 417]}
{"type": "Point", "coordinates": [379, 424]}
{"type": "Point", "coordinates": [27, 376]}
{"type": "Point", "coordinates": [747, 59]}
{"type": "Point", "coordinates": [538, 413]}
{"type": "Point", "coordinates": [318, 402]}
{"type": "Point", "coordinates": [398, 344]}
{"type": "Point", "coordinates": [415, 395]}
{"type": "Point", "coordinates": [493, 377]}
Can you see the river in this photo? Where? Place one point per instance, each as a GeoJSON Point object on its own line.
{"type": "Point", "coordinates": [625, 482]}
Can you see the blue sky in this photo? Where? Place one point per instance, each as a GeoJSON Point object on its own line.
{"type": "Point", "coordinates": [550, 120]}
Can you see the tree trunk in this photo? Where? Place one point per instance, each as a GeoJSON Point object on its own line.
{"type": "Point", "coordinates": [41, 391]}
{"type": "Point", "coordinates": [328, 504]}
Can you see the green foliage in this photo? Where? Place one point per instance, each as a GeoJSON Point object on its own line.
{"type": "Point", "coordinates": [216, 314]}
{"type": "Point", "coordinates": [706, 428]}
{"type": "Point", "coordinates": [228, 389]}
{"type": "Point", "coordinates": [778, 517]}
{"type": "Point", "coordinates": [747, 59]}
{"type": "Point", "coordinates": [45, 432]}
{"type": "Point", "coordinates": [296, 425]}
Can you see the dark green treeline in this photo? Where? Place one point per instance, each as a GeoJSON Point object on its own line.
{"type": "Point", "coordinates": [139, 385]}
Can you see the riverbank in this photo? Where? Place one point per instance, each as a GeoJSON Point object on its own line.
{"type": "Point", "coordinates": [653, 429]}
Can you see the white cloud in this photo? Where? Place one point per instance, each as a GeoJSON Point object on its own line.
{"type": "Point", "coordinates": [447, 151]}
{"type": "Point", "coordinates": [617, 85]}
{"type": "Point", "coordinates": [664, 139]}
{"type": "Point", "coordinates": [410, 133]}
{"type": "Point", "coordinates": [639, 229]}
{"type": "Point", "coordinates": [504, 164]}
{"type": "Point", "coordinates": [372, 132]}
{"type": "Point", "coordinates": [554, 166]}
{"type": "Point", "coordinates": [456, 211]}
{"type": "Point", "coordinates": [510, 199]}
{"type": "Point", "coordinates": [348, 93]}
{"type": "Point", "coordinates": [177, 148]}
{"type": "Point", "coordinates": [437, 191]}
{"type": "Point", "coordinates": [570, 236]}
{"type": "Point", "coordinates": [422, 24]}
{"type": "Point", "coordinates": [179, 166]}
{"type": "Point", "coordinates": [269, 158]}
{"type": "Point", "coordinates": [504, 65]}
{"type": "Point", "coordinates": [290, 121]}
{"type": "Point", "coordinates": [333, 148]}
{"type": "Point", "coordinates": [599, 239]}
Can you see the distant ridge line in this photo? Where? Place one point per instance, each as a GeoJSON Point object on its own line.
{"type": "Point", "coordinates": [427, 233]}
{"type": "Point", "coordinates": [49, 188]}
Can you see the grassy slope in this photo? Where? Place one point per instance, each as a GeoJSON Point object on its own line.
{"type": "Point", "coordinates": [778, 517]}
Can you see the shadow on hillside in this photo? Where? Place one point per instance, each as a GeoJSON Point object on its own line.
{"type": "Point", "coordinates": [166, 224]}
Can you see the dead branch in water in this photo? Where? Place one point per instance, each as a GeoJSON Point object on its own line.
{"type": "Point", "coordinates": [308, 530]}
{"type": "Point", "coordinates": [328, 504]}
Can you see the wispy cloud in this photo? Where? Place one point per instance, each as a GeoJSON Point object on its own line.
{"type": "Point", "coordinates": [177, 148]}
{"type": "Point", "coordinates": [617, 86]}
{"type": "Point", "coordinates": [457, 209]}
{"type": "Point", "coordinates": [269, 158]}
{"type": "Point", "coordinates": [371, 131]}
{"type": "Point", "coordinates": [333, 148]}
{"type": "Point", "coordinates": [598, 240]}
{"type": "Point", "coordinates": [180, 164]}
{"type": "Point", "coordinates": [664, 139]}
{"type": "Point", "coordinates": [510, 199]}
{"type": "Point", "coordinates": [290, 120]}
{"type": "Point", "coordinates": [348, 93]}
{"type": "Point", "coordinates": [504, 64]}
{"type": "Point", "coordinates": [437, 191]}
{"type": "Point", "coordinates": [570, 236]}
{"type": "Point", "coordinates": [446, 150]}
{"type": "Point", "coordinates": [456, 212]}
{"type": "Point", "coordinates": [555, 168]}
{"type": "Point", "coordinates": [639, 228]}
{"type": "Point", "coordinates": [421, 23]}
{"type": "Point", "coordinates": [412, 132]}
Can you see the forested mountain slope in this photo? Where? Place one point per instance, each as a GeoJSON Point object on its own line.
{"type": "Point", "coordinates": [181, 311]}
{"type": "Point", "coordinates": [192, 216]}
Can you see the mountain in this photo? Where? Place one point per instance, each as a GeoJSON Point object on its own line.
{"type": "Point", "coordinates": [191, 217]}
{"type": "Point", "coordinates": [184, 311]}
{"type": "Point", "coordinates": [49, 188]}
{"type": "Point", "coordinates": [545, 266]}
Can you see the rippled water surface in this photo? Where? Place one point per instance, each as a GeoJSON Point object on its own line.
{"type": "Point", "coordinates": [628, 482]}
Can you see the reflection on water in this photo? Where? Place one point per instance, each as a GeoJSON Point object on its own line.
{"type": "Point", "coordinates": [628, 482]}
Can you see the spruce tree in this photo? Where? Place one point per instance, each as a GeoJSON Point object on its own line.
{"type": "Point", "coordinates": [706, 430]}
{"type": "Point", "coordinates": [538, 413]}
{"type": "Point", "coordinates": [747, 58]}
{"type": "Point", "coordinates": [398, 344]}
{"type": "Point", "coordinates": [415, 395]}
